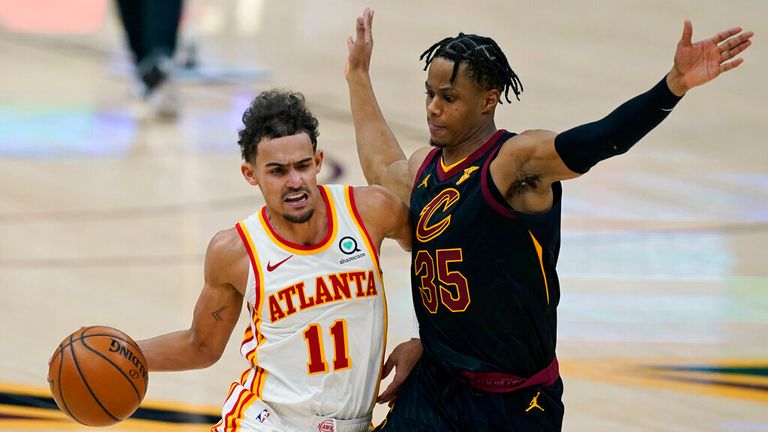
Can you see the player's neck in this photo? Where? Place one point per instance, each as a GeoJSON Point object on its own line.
{"type": "Point", "coordinates": [475, 140]}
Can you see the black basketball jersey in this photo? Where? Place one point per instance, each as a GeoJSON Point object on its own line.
{"type": "Point", "coordinates": [483, 275]}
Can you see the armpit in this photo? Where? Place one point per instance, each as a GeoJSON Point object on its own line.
{"type": "Point", "coordinates": [525, 181]}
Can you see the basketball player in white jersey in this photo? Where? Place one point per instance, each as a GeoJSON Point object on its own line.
{"type": "Point", "coordinates": [307, 266]}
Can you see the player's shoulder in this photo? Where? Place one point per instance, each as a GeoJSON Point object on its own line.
{"type": "Point", "coordinates": [373, 196]}
{"type": "Point", "coordinates": [226, 260]}
{"type": "Point", "coordinates": [534, 134]}
{"type": "Point", "coordinates": [528, 139]}
{"type": "Point", "coordinates": [378, 206]}
{"type": "Point", "coordinates": [417, 158]}
{"type": "Point", "coordinates": [226, 246]}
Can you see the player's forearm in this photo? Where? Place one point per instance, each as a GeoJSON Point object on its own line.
{"type": "Point", "coordinates": [584, 146]}
{"type": "Point", "coordinates": [178, 351]}
{"type": "Point", "coordinates": [377, 147]}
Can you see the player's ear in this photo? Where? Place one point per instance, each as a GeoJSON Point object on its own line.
{"type": "Point", "coordinates": [490, 100]}
{"type": "Point", "coordinates": [318, 160]}
{"type": "Point", "coordinates": [249, 172]}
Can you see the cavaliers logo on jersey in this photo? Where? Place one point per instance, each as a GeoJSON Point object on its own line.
{"type": "Point", "coordinates": [428, 228]}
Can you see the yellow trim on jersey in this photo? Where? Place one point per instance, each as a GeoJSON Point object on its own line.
{"type": "Point", "coordinates": [449, 167]}
{"type": "Point", "coordinates": [541, 262]}
{"type": "Point", "coordinates": [261, 375]}
{"type": "Point", "coordinates": [311, 250]}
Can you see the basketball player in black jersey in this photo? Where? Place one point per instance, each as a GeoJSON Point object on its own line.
{"type": "Point", "coordinates": [485, 209]}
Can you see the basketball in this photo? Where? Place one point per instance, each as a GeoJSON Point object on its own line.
{"type": "Point", "coordinates": [98, 376]}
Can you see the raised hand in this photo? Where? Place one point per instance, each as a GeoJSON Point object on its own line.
{"type": "Point", "coordinates": [697, 63]}
{"type": "Point", "coordinates": [360, 48]}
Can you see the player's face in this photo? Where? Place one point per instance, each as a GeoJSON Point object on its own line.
{"type": "Point", "coordinates": [286, 170]}
{"type": "Point", "coordinates": [455, 110]}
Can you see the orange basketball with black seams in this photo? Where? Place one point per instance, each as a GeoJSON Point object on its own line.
{"type": "Point", "coordinates": [98, 376]}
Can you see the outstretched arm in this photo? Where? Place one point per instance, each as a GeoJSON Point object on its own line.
{"type": "Point", "coordinates": [381, 157]}
{"type": "Point", "coordinates": [553, 157]}
{"type": "Point", "coordinates": [215, 315]}
{"type": "Point", "coordinates": [695, 64]}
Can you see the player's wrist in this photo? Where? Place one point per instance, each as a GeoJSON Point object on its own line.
{"type": "Point", "coordinates": [676, 83]}
{"type": "Point", "coordinates": [358, 77]}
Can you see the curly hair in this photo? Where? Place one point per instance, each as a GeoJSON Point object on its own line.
{"type": "Point", "coordinates": [274, 114]}
{"type": "Point", "coordinates": [485, 61]}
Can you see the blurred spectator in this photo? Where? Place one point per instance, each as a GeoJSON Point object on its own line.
{"type": "Point", "coordinates": [151, 27]}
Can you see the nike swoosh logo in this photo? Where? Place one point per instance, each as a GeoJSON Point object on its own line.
{"type": "Point", "coordinates": [271, 267]}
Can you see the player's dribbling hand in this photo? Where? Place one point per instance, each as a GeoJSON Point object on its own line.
{"type": "Point", "coordinates": [403, 358]}
{"type": "Point", "coordinates": [361, 46]}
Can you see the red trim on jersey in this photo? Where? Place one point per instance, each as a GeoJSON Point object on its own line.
{"type": "Point", "coordinates": [328, 214]}
{"type": "Point", "coordinates": [225, 419]}
{"type": "Point", "coordinates": [502, 209]}
{"type": "Point", "coordinates": [243, 403]}
{"type": "Point", "coordinates": [362, 225]}
{"type": "Point", "coordinates": [475, 155]}
{"type": "Point", "coordinates": [247, 338]}
{"type": "Point", "coordinates": [427, 161]}
{"type": "Point", "coordinates": [248, 248]}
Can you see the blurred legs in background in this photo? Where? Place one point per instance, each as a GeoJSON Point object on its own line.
{"type": "Point", "coordinates": [151, 28]}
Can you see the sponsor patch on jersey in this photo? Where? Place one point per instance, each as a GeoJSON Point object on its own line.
{"type": "Point", "coordinates": [327, 425]}
{"type": "Point", "coordinates": [262, 417]}
{"type": "Point", "coordinates": [348, 246]}
{"type": "Point", "coordinates": [352, 258]}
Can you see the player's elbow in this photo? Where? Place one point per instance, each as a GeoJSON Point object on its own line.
{"type": "Point", "coordinates": [210, 354]}
{"type": "Point", "coordinates": [204, 353]}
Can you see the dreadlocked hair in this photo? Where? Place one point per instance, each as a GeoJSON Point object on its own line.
{"type": "Point", "coordinates": [275, 114]}
{"type": "Point", "coordinates": [485, 61]}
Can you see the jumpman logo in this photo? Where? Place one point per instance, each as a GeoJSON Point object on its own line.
{"type": "Point", "coordinates": [535, 403]}
{"type": "Point", "coordinates": [424, 182]}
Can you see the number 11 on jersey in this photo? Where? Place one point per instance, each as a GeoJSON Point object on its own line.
{"type": "Point", "coordinates": [316, 354]}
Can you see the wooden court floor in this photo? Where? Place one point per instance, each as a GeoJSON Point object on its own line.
{"type": "Point", "coordinates": [105, 214]}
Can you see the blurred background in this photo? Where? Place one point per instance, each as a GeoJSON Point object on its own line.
{"type": "Point", "coordinates": [111, 188]}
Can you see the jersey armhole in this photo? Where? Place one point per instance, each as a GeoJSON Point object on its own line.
{"type": "Point", "coordinates": [254, 267]}
{"type": "Point", "coordinates": [350, 194]}
{"type": "Point", "coordinates": [427, 160]}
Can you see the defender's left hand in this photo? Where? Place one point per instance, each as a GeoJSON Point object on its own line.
{"type": "Point", "coordinates": [403, 358]}
{"type": "Point", "coordinates": [697, 63]}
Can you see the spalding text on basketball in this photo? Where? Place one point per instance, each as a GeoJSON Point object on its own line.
{"type": "Point", "coordinates": [117, 347]}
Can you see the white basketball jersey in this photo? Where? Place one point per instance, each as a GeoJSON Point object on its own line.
{"type": "Point", "coordinates": [316, 339]}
